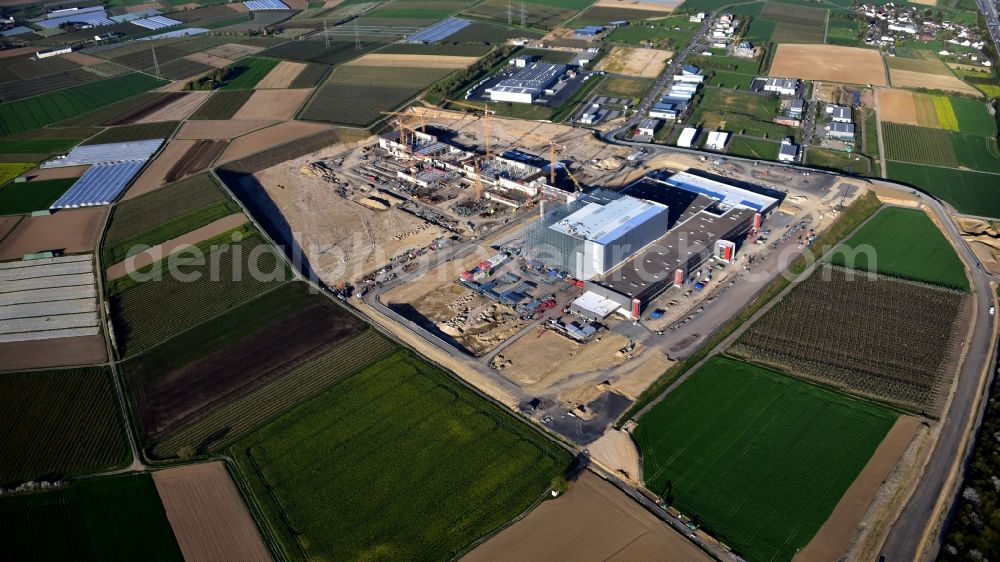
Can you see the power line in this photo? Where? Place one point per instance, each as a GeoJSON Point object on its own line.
{"type": "Point", "coordinates": [326, 34]}
{"type": "Point", "coordinates": [357, 36]}
{"type": "Point", "coordinates": [522, 15]}
{"type": "Point", "coordinates": [156, 64]}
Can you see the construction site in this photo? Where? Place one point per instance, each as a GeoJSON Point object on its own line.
{"type": "Point", "coordinates": [556, 272]}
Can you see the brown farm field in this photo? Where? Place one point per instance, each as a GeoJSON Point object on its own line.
{"type": "Point", "coordinates": [897, 106]}
{"type": "Point", "coordinates": [197, 158]}
{"type": "Point", "coordinates": [829, 63]}
{"type": "Point", "coordinates": [37, 354]}
{"type": "Point", "coordinates": [178, 110]}
{"type": "Point", "coordinates": [412, 61]}
{"type": "Point", "coordinates": [644, 63]}
{"type": "Point", "coordinates": [207, 515]}
{"type": "Point", "coordinates": [942, 82]}
{"type": "Point", "coordinates": [234, 51]}
{"type": "Point", "coordinates": [592, 521]}
{"type": "Point", "coordinates": [205, 58]}
{"type": "Point", "coordinates": [153, 105]}
{"type": "Point", "coordinates": [664, 6]}
{"type": "Point", "coordinates": [281, 76]}
{"type": "Point", "coordinates": [72, 230]}
{"type": "Point", "coordinates": [272, 105]}
{"type": "Point", "coordinates": [155, 174]}
{"type": "Point", "coordinates": [267, 138]}
{"type": "Point", "coordinates": [69, 172]}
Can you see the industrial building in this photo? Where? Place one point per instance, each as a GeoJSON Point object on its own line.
{"type": "Point", "coordinates": [717, 140]}
{"type": "Point", "coordinates": [533, 81]}
{"type": "Point", "coordinates": [781, 86]}
{"type": "Point", "coordinates": [687, 138]}
{"type": "Point", "coordinates": [839, 113]}
{"type": "Point", "coordinates": [631, 246]}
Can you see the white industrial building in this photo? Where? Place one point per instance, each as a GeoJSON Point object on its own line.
{"type": "Point", "coordinates": [687, 138]}
{"type": "Point", "coordinates": [611, 232]}
{"type": "Point", "coordinates": [782, 86]}
{"type": "Point", "coordinates": [530, 83]}
{"type": "Point", "coordinates": [647, 127]}
{"type": "Point", "coordinates": [717, 140]}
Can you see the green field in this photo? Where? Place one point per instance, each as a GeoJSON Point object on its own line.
{"type": "Point", "coordinates": [408, 423]}
{"type": "Point", "coordinates": [99, 519]}
{"type": "Point", "coordinates": [140, 131]}
{"type": "Point", "coordinates": [37, 146]}
{"type": "Point", "coordinates": [844, 32]}
{"type": "Point", "coordinates": [754, 148]}
{"type": "Point", "coordinates": [758, 458]}
{"type": "Point", "coordinates": [923, 145]}
{"type": "Point", "coordinates": [624, 87]}
{"type": "Point", "coordinates": [22, 198]}
{"type": "Point", "coordinates": [904, 243]}
{"type": "Point", "coordinates": [537, 16]}
{"type": "Point", "coordinates": [741, 112]}
{"type": "Point", "coordinates": [731, 80]}
{"type": "Point", "coordinates": [373, 89]}
{"type": "Point", "coordinates": [39, 111]}
{"type": "Point", "coordinates": [973, 118]}
{"type": "Point", "coordinates": [247, 72]}
{"type": "Point", "coordinates": [603, 15]}
{"type": "Point", "coordinates": [795, 24]}
{"type": "Point", "coordinates": [146, 314]}
{"type": "Point", "coordinates": [973, 193]}
{"type": "Point", "coordinates": [165, 213]}
{"type": "Point", "coordinates": [668, 33]}
{"type": "Point", "coordinates": [10, 170]}
{"type": "Point", "coordinates": [851, 163]}
{"type": "Point", "coordinates": [730, 64]}
{"type": "Point", "coordinates": [67, 422]}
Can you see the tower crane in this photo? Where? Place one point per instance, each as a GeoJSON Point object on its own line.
{"type": "Point", "coordinates": [486, 120]}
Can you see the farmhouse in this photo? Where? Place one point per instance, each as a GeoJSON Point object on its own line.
{"type": "Point", "coordinates": [788, 151]}
{"type": "Point", "coordinates": [531, 82]}
{"type": "Point", "coordinates": [689, 218]}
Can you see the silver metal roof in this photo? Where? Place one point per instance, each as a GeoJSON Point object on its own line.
{"type": "Point", "coordinates": [111, 152]}
{"type": "Point", "coordinates": [99, 185]}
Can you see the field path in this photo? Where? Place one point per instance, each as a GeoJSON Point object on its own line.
{"type": "Point", "coordinates": [881, 143]}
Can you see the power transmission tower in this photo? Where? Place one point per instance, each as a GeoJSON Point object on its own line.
{"type": "Point", "coordinates": [326, 34]}
{"type": "Point", "coordinates": [522, 15]}
{"type": "Point", "coordinates": [510, 13]}
{"type": "Point", "coordinates": [156, 64]}
{"type": "Point", "coordinates": [357, 36]}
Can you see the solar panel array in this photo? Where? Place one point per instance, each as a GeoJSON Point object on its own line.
{"type": "Point", "coordinates": [439, 31]}
{"type": "Point", "coordinates": [156, 22]}
{"type": "Point", "coordinates": [266, 5]}
{"type": "Point", "coordinates": [98, 17]}
{"type": "Point", "coordinates": [110, 152]}
{"type": "Point", "coordinates": [101, 184]}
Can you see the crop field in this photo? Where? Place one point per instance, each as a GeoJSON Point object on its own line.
{"type": "Point", "coordinates": [19, 198]}
{"type": "Point", "coordinates": [829, 63]}
{"type": "Point", "coordinates": [113, 112]}
{"type": "Point", "coordinates": [478, 467]}
{"type": "Point", "coordinates": [307, 50]}
{"type": "Point", "coordinates": [143, 60]}
{"type": "Point", "coordinates": [163, 214]}
{"type": "Point", "coordinates": [972, 116]}
{"type": "Point", "coordinates": [97, 519]}
{"type": "Point", "coordinates": [757, 458]}
{"type": "Point", "coordinates": [247, 72]}
{"type": "Point", "coordinates": [375, 89]}
{"type": "Point", "coordinates": [845, 32]}
{"type": "Point", "coordinates": [269, 336]}
{"type": "Point", "coordinates": [624, 87]}
{"type": "Point", "coordinates": [10, 170]}
{"type": "Point", "coordinates": [26, 67]}
{"type": "Point", "coordinates": [37, 146]}
{"type": "Point", "coordinates": [141, 131]}
{"type": "Point", "coordinates": [907, 143]}
{"type": "Point", "coordinates": [484, 32]}
{"type": "Point", "coordinates": [310, 76]}
{"type": "Point", "coordinates": [39, 111]}
{"type": "Point", "coordinates": [537, 15]}
{"type": "Point", "coordinates": [874, 336]}
{"type": "Point", "coordinates": [754, 148]}
{"type": "Point", "coordinates": [181, 68]}
{"type": "Point", "coordinates": [603, 15]}
{"type": "Point", "coordinates": [973, 193]}
{"type": "Point", "coordinates": [222, 105]}
{"type": "Point", "coordinates": [976, 152]}
{"type": "Point", "coordinates": [67, 423]}
{"type": "Point", "coordinates": [795, 24]}
{"type": "Point", "coordinates": [35, 86]}
{"type": "Point", "coordinates": [905, 244]}
{"type": "Point", "coordinates": [728, 64]}
{"type": "Point", "coordinates": [146, 314]}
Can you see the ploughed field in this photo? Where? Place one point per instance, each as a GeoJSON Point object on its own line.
{"type": "Point", "coordinates": [397, 461]}
{"type": "Point", "coordinates": [874, 336]}
{"type": "Point", "coordinates": [757, 458]}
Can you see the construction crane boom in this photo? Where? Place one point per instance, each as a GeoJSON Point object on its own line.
{"type": "Point", "coordinates": [486, 120]}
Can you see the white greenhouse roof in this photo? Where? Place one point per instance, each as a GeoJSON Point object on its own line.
{"type": "Point", "coordinates": [266, 5]}
{"type": "Point", "coordinates": [101, 184]}
{"type": "Point", "coordinates": [156, 22]}
{"type": "Point", "coordinates": [112, 152]}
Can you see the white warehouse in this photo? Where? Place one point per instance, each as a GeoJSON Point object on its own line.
{"type": "Point", "coordinates": [612, 232]}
